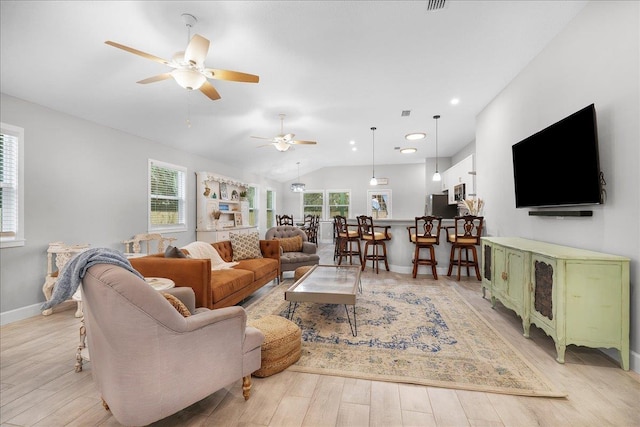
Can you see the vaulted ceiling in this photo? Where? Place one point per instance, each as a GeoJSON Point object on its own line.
{"type": "Point", "coordinates": [335, 68]}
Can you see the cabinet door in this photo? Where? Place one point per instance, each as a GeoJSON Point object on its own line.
{"type": "Point", "coordinates": [499, 271]}
{"type": "Point", "coordinates": [516, 280]}
{"type": "Point", "coordinates": [544, 290]}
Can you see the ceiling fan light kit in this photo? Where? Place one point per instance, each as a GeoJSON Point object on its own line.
{"type": "Point", "coordinates": [283, 142]}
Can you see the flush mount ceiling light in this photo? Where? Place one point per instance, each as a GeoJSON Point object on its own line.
{"type": "Point", "coordinates": [408, 150]}
{"type": "Point", "coordinates": [373, 180]}
{"type": "Point", "coordinates": [436, 176]}
{"type": "Point", "coordinates": [298, 187]}
{"type": "Point", "coordinates": [455, 101]}
{"type": "Point", "coordinates": [415, 136]}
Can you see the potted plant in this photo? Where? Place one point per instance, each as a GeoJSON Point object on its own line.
{"type": "Point", "coordinates": [243, 195]}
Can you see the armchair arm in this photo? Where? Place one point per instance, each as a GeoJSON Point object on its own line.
{"type": "Point", "coordinates": [218, 315]}
{"type": "Point", "coordinates": [413, 227]}
{"type": "Point", "coordinates": [308, 248]}
{"type": "Point", "coordinates": [191, 272]}
{"type": "Point", "coordinates": [386, 229]}
{"type": "Point", "coordinates": [186, 295]}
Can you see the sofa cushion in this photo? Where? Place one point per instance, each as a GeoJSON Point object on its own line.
{"type": "Point", "coordinates": [227, 282]}
{"type": "Point", "coordinates": [177, 304]}
{"type": "Point", "coordinates": [290, 244]}
{"type": "Point", "coordinates": [245, 246]}
{"type": "Point", "coordinates": [260, 267]}
{"type": "Point", "coordinates": [299, 257]}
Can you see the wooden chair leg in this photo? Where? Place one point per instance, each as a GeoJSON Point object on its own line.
{"type": "Point", "coordinates": [459, 261]}
{"type": "Point", "coordinates": [433, 262]}
{"type": "Point", "coordinates": [359, 251]}
{"type": "Point", "coordinates": [104, 404]}
{"type": "Point", "coordinates": [246, 387]}
{"type": "Point", "coordinates": [451, 260]}
{"type": "Point", "coordinates": [416, 257]}
{"type": "Point", "coordinates": [384, 251]}
{"type": "Point", "coordinates": [475, 260]}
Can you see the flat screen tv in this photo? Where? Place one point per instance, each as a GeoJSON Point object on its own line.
{"type": "Point", "coordinates": [559, 165]}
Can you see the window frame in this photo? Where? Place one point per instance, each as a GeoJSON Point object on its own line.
{"type": "Point", "coordinates": [254, 204]}
{"type": "Point", "coordinates": [18, 238]}
{"type": "Point", "coordinates": [273, 199]}
{"type": "Point", "coordinates": [328, 205]}
{"type": "Point", "coordinates": [182, 225]}
{"type": "Point", "coordinates": [322, 206]}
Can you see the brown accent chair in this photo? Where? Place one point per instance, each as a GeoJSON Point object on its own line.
{"type": "Point", "coordinates": [147, 360]}
{"type": "Point", "coordinates": [289, 261]}
{"type": "Point", "coordinates": [374, 235]}
{"type": "Point", "coordinates": [217, 288]}
{"type": "Point", "coordinates": [424, 234]}
{"type": "Point", "coordinates": [465, 236]}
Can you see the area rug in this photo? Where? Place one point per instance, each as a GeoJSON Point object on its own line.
{"type": "Point", "coordinates": [418, 332]}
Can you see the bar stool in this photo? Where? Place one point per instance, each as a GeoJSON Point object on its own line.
{"type": "Point", "coordinates": [369, 234]}
{"type": "Point", "coordinates": [346, 236]}
{"type": "Point", "coordinates": [465, 235]}
{"type": "Point", "coordinates": [424, 234]}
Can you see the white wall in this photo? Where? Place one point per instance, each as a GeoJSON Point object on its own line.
{"type": "Point", "coordinates": [594, 60]}
{"type": "Point", "coordinates": [407, 184]}
{"type": "Point", "coordinates": [84, 183]}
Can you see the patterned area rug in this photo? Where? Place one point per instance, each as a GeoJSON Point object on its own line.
{"type": "Point", "coordinates": [418, 331]}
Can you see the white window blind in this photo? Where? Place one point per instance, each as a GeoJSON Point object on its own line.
{"type": "Point", "coordinates": [11, 194]}
{"type": "Point", "coordinates": [167, 201]}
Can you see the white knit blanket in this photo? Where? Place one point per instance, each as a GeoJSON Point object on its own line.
{"type": "Point", "coordinates": [203, 250]}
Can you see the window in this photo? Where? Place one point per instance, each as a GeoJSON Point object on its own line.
{"type": "Point", "coordinates": [252, 197]}
{"type": "Point", "coordinates": [339, 202]}
{"type": "Point", "coordinates": [312, 203]}
{"type": "Point", "coordinates": [11, 186]}
{"type": "Point", "coordinates": [271, 208]}
{"type": "Point", "coordinates": [167, 203]}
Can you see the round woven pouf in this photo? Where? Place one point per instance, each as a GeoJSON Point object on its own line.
{"type": "Point", "coordinates": [301, 271]}
{"type": "Point", "coordinates": [282, 344]}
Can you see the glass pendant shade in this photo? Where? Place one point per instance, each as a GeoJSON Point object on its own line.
{"type": "Point", "coordinates": [297, 187]}
{"type": "Point", "coordinates": [188, 79]}
{"type": "Point", "coordinates": [437, 177]}
{"type": "Point", "coordinates": [373, 180]}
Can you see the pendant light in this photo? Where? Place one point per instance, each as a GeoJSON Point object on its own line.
{"type": "Point", "coordinates": [298, 187]}
{"type": "Point", "coordinates": [373, 180]}
{"type": "Point", "coordinates": [436, 176]}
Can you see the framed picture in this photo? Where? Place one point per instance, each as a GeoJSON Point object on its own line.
{"type": "Point", "coordinates": [238, 219]}
{"type": "Point", "coordinates": [459, 192]}
{"type": "Point", "coordinates": [379, 204]}
{"type": "Point", "coordinates": [223, 191]}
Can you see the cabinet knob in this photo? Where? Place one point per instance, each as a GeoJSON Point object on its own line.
{"type": "Point", "coordinates": [504, 275]}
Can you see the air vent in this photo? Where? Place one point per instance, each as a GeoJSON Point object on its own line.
{"type": "Point", "coordinates": [405, 113]}
{"type": "Point", "coordinates": [436, 5]}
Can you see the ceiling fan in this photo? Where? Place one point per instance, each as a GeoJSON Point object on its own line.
{"type": "Point", "coordinates": [283, 141]}
{"type": "Point", "coordinates": [189, 70]}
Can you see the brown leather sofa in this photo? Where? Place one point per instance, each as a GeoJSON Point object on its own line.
{"type": "Point", "coordinates": [218, 288]}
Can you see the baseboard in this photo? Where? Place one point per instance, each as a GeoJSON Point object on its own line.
{"type": "Point", "coordinates": [22, 313]}
{"type": "Point", "coordinates": [634, 358]}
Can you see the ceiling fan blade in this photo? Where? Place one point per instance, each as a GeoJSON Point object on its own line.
{"type": "Point", "coordinates": [234, 76]}
{"type": "Point", "coordinates": [288, 137]}
{"type": "Point", "coordinates": [303, 142]}
{"type": "Point", "coordinates": [197, 49]}
{"type": "Point", "coordinates": [261, 137]}
{"type": "Point", "coordinates": [154, 79]}
{"type": "Point", "coordinates": [210, 91]}
{"type": "Point", "coordinates": [138, 52]}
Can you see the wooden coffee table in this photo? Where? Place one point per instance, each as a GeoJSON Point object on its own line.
{"type": "Point", "coordinates": [327, 284]}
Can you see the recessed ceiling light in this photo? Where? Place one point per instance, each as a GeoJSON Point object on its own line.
{"type": "Point", "coordinates": [415, 136]}
{"type": "Point", "coordinates": [455, 101]}
{"type": "Point", "coordinates": [354, 148]}
{"type": "Point", "coordinates": [408, 150]}
{"type": "Point", "coordinates": [352, 142]}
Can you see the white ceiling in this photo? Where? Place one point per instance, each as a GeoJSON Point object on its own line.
{"type": "Point", "coordinates": [336, 68]}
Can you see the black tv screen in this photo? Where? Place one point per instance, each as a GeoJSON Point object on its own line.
{"type": "Point", "coordinates": [559, 165]}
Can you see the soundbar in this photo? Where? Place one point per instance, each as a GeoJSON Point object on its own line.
{"type": "Point", "coordinates": [560, 213]}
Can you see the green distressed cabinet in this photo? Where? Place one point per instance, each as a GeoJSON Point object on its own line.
{"type": "Point", "coordinates": [575, 296]}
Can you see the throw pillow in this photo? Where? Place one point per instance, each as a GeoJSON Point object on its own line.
{"type": "Point", "coordinates": [290, 244]}
{"type": "Point", "coordinates": [245, 246]}
{"type": "Point", "coordinates": [177, 304]}
{"type": "Point", "coordinates": [173, 252]}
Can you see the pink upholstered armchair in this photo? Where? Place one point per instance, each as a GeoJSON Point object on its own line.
{"type": "Point", "coordinates": [148, 360]}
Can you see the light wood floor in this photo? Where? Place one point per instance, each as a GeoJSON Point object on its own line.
{"type": "Point", "coordinates": [39, 387]}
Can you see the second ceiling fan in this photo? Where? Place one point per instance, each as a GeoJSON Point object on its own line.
{"type": "Point", "coordinates": [283, 142]}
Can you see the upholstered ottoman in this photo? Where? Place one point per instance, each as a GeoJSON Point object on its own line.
{"type": "Point", "coordinates": [301, 271]}
{"type": "Point", "coordinates": [282, 344]}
